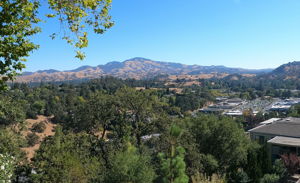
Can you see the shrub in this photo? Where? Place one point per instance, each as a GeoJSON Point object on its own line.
{"type": "Point", "coordinates": [269, 178]}
{"type": "Point", "coordinates": [7, 166]}
{"type": "Point", "coordinates": [201, 178]}
{"type": "Point", "coordinates": [291, 162]}
{"type": "Point", "coordinates": [38, 127]}
{"type": "Point", "coordinates": [32, 139]}
{"type": "Point", "coordinates": [280, 170]}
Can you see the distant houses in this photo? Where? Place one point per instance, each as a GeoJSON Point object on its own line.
{"type": "Point", "coordinates": [285, 105]}
{"type": "Point", "coordinates": [282, 135]}
{"type": "Point", "coordinates": [224, 106]}
{"type": "Point", "coordinates": [237, 106]}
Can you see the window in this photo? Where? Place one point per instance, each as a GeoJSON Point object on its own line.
{"type": "Point", "coordinates": [261, 139]}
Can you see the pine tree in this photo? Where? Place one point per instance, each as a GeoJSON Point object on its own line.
{"type": "Point", "coordinates": [172, 165]}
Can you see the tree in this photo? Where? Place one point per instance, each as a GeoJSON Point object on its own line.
{"type": "Point", "coordinates": [140, 110]}
{"type": "Point", "coordinates": [173, 166]}
{"type": "Point", "coordinates": [38, 127]}
{"type": "Point", "coordinates": [32, 139]}
{"type": "Point", "coordinates": [200, 178]}
{"type": "Point", "coordinates": [96, 113]}
{"type": "Point", "coordinates": [222, 138]}
{"type": "Point", "coordinates": [269, 178]}
{"type": "Point", "coordinates": [130, 167]}
{"type": "Point", "coordinates": [67, 158]}
{"type": "Point", "coordinates": [11, 143]}
{"type": "Point", "coordinates": [11, 111]}
{"type": "Point", "coordinates": [7, 167]}
{"type": "Point", "coordinates": [294, 111]}
{"type": "Point", "coordinates": [253, 166]}
{"type": "Point", "coordinates": [280, 170]}
{"type": "Point", "coordinates": [18, 23]}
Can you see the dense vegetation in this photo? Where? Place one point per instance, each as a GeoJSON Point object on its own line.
{"type": "Point", "coordinates": [108, 131]}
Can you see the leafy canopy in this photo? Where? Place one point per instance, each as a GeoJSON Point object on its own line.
{"type": "Point", "coordinates": [19, 22]}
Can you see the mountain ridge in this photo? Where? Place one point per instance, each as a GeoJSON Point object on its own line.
{"type": "Point", "coordinates": [137, 67]}
{"type": "Point", "coordinates": [290, 70]}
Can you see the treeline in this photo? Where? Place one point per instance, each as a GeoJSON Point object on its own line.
{"type": "Point", "coordinates": [109, 132]}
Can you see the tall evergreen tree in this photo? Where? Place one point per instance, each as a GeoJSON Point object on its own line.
{"type": "Point", "coordinates": [173, 166]}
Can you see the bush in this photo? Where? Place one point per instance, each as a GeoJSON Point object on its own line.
{"type": "Point", "coordinates": [7, 166]}
{"type": "Point", "coordinates": [31, 114]}
{"type": "Point", "coordinates": [269, 178]}
{"type": "Point", "coordinates": [38, 127]}
{"type": "Point", "coordinates": [280, 170]}
{"type": "Point", "coordinates": [210, 164]}
{"type": "Point", "coordinates": [32, 139]}
{"type": "Point", "coordinates": [291, 162]}
{"type": "Point", "coordinates": [130, 166]}
{"type": "Point", "coordinates": [200, 178]}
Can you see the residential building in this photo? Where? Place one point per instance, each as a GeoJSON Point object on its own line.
{"type": "Point", "coordinates": [282, 135]}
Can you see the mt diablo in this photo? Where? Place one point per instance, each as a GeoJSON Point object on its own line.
{"type": "Point", "coordinates": [141, 68]}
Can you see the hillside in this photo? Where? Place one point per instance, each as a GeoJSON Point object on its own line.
{"type": "Point", "coordinates": [290, 70]}
{"type": "Point", "coordinates": [138, 68]}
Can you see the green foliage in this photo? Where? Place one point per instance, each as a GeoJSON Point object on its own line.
{"type": "Point", "coordinates": [18, 25]}
{"type": "Point", "coordinates": [38, 107]}
{"type": "Point", "coordinates": [200, 178]}
{"type": "Point", "coordinates": [11, 142]}
{"type": "Point", "coordinates": [7, 167]}
{"type": "Point", "coordinates": [258, 162]}
{"type": "Point", "coordinates": [239, 176]}
{"type": "Point", "coordinates": [130, 167]}
{"type": "Point", "coordinates": [78, 14]}
{"type": "Point", "coordinates": [295, 111]}
{"type": "Point", "coordinates": [253, 165]}
{"type": "Point", "coordinates": [95, 114]}
{"type": "Point", "coordinates": [38, 127]}
{"type": "Point", "coordinates": [269, 178]}
{"type": "Point", "coordinates": [210, 164]}
{"type": "Point", "coordinates": [140, 110]}
{"type": "Point", "coordinates": [189, 102]}
{"type": "Point", "coordinates": [32, 139]}
{"type": "Point", "coordinates": [67, 158]}
{"type": "Point", "coordinates": [175, 131]}
{"type": "Point", "coordinates": [280, 170]}
{"type": "Point", "coordinates": [173, 167]}
{"type": "Point", "coordinates": [206, 144]}
{"type": "Point", "coordinates": [11, 111]}
{"type": "Point", "coordinates": [222, 138]}
{"type": "Point", "coordinates": [18, 20]}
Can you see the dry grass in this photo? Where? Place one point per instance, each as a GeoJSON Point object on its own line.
{"type": "Point", "coordinates": [49, 131]}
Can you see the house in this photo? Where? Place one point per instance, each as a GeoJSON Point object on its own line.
{"type": "Point", "coordinates": [234, 113]}
{"type": "Point", "coordinates": [282, 135]}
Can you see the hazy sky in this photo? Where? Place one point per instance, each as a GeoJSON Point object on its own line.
{"type": "Point", "coordinates": [235, 33]}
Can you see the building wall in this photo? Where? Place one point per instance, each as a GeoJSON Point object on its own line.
{"type": "Point", "coordinates": [260, 137]}
{"type": "Point", "coordinates": [275, 150]}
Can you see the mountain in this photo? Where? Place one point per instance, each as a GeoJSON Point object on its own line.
{"type": "Point", "coordinates": [138, 68]}
{"type": "Point", "coordinates": [290, 70]}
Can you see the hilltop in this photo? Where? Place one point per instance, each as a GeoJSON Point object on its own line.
{"type": "Point", "coordinates": [137, 68]}
{"type": "Point", "coordinates": [290, 70]}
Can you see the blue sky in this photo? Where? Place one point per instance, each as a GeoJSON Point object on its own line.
{"type": "Point", "coordinates": [236, 33]}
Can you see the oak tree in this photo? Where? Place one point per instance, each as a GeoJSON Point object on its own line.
{"type": "Point", "coordinates": [19, 21]}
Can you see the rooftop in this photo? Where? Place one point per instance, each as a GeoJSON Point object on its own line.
{"type": "Point", "coordinates": [286, 141]}
{"type": "Point", "coordinates": [288, 127]}
{"type": "Point", "coordinates": [269, 121]}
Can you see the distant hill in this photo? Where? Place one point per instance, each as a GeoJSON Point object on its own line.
{"type": "Point", "coordinates": [287, 71]}
{"type": "Point", "coordinates": [138, 68]}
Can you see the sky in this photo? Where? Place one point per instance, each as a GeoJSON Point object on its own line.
{"type": "Point", "coordinates": [250, 34]}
